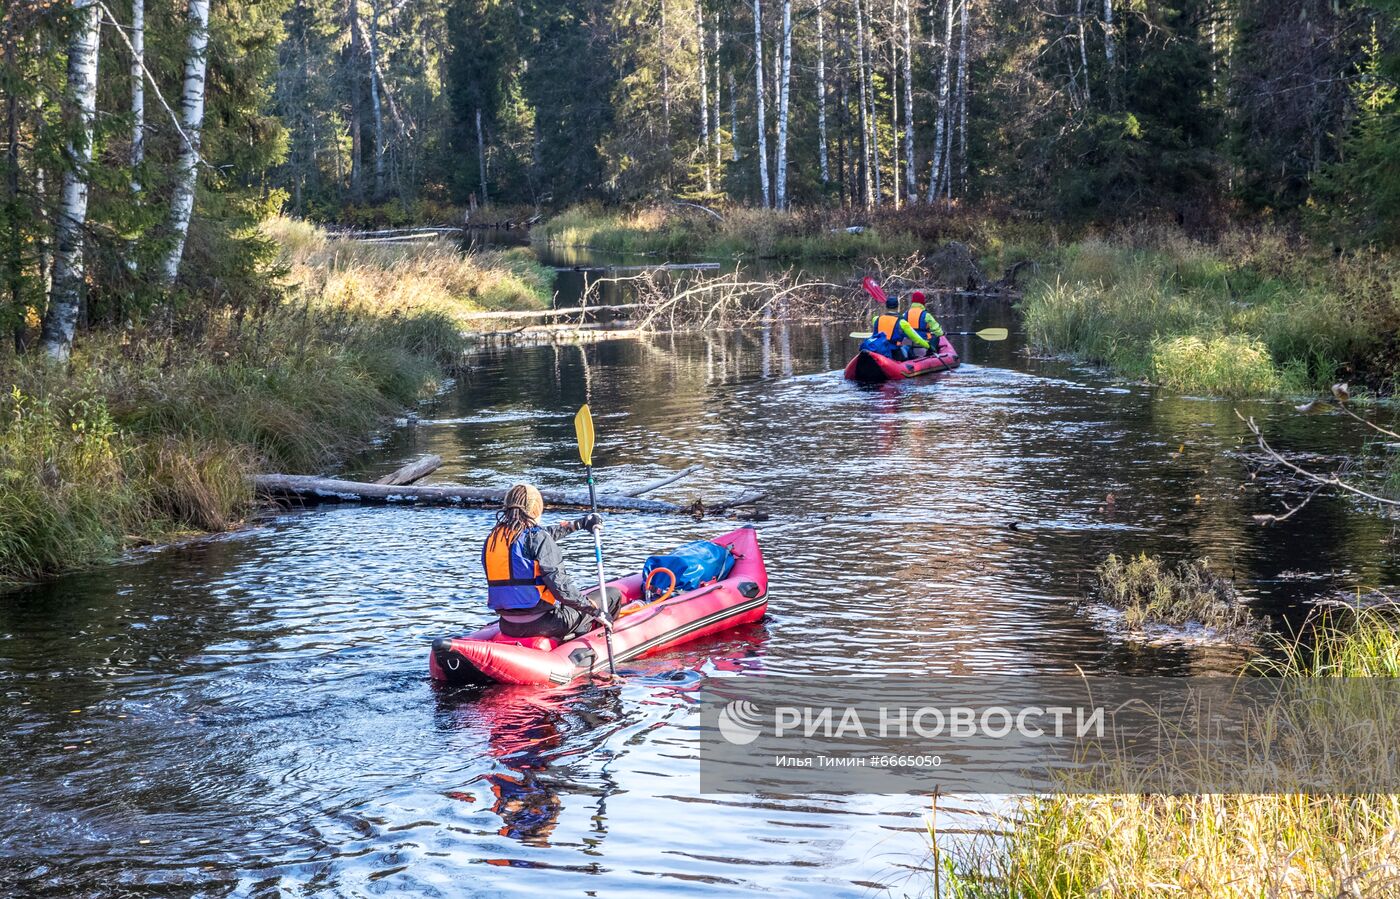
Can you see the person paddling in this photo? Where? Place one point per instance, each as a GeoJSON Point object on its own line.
{"type": "Point", "coordinates": [527, 586]}
{"type": "Point", "coordinates": [922, 321]}
{"type": "Point", "coordinates": [896, 330]}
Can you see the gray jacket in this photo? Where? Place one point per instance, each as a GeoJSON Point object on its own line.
{"type": "Point", "coordinates": [542, 545]}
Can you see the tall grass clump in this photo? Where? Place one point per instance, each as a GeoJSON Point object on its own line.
{"type": "Point", "coordinates": [1232, 846]}
{"type": "Point", "coordinates": [1254, 314]}
{"type": "Point", "coordinates": [1149, 591]}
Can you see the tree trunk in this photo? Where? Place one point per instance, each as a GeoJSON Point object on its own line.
{"type": "Point", "coordinates": [733, 119]}
{"type": "Point", "coordinates": [191, 123]}
{"type": "Point", "coordinates": [821, 100]}
{"type": "Point", "coordinates": [935, 181]}
{"type": "Point", "coordinates": [1109, 49]}
{"type": "Point", "coordinates": [765, 198]}
{"type": "Point", "coordinates": [356, 136]}
{"type": "Point", "coordinates": [14, 262]}
{"type": "Point", "coordinates": [138, 91]}
{"type": "Point", "coordinates": [865, 148]}
{"type": "Point", "coordinates": [1083, 48]}
{"type": "Point", "coordinates": [911, 186]}
{"type": "Point", "coordinates": [665, 83]}
{"type": "Point", "coordinates": [375, 109]}
{"type": "Point", "coordinates": [62, 314]}
{"type": "Point", "coordinates": [719, 134]}
{"type": "Point", "coordinates": [786, 78]}
{"type": "Point", "coordinates": [704, 95]}
{"type": "Point", "coordinates": [481, 158]}
{"type": "Point", "coordinates": [874, 109]}
{"type": "Point", "coordinates": [962, 99]}
{"type": "Point", "coordinates": [894, 122]}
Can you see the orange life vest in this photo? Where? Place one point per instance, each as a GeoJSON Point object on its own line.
{"type": "Point", "coordinates": [512, 579]}
{"type": "Point", "coordinates": [888, 325]}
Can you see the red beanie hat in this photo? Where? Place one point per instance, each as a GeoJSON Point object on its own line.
{"type": "Point", "coordinates": [916, 297]}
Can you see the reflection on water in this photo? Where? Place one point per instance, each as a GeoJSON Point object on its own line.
{"type": "Point", "coordinates": [252, 716]}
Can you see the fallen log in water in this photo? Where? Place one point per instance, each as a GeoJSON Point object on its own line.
{"type": "Point", "coordinates": [548, 313]}
{"type": "Point", "coordinates": [416, 470]}
{"type": "Point", "coordinates": [332, 490]}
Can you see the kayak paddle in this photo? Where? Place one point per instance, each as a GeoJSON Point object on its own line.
{"type": "Point", "coordinates": [875, 290]}
{"type": "Point", "coordinates": [583, 428]}
{"type": "Point", "coordinates": [991, 334]}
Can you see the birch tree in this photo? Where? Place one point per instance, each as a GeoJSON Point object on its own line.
{"type": "Point", "coordinates": [704, 95]}
{"type": "Point", "coordinates": [868, 61]}
{"type": "Point", "coordinates": [191, 124]}
{"type": "Point", "coordinates": [733, 119]}
{"type": "Point", "coordinates": [935, 181]}
{"type": "Point", "coordinates": [719, 131]}
{"type": "Point", "coordinates": [138, 91]}
{"type": "Point", "coordinates": [911, 188]}
{"type": "Point", "coordinates": [1109, 48]}
{"type": "Point", "coordinates": [962, 99]}
{"type": "Point", "coordinates": [765, 196]}
{"type": "Point", "coordinates": [865, 123]}
{"type": "Point", "coordinates": [481, 157]}
{"type": "Point", "coordinates": [1083, 47]}
{"type": "Point", "coordinates": [785, 77]}
{"type": "Point", "coordinates": [821, 100]}
{"type": "Point", "coordinates": [61, 316]}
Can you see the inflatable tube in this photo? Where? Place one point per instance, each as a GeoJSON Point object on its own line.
{"type": "Point", "coordinates": [874, 367]}
{"type": "Point", "coordinates": [489, 657]}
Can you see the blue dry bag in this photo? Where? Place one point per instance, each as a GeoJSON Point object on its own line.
{"type": "Point", "coordinates": [694, 565]}
{"type": "Point", "coordinates": [880, 345]}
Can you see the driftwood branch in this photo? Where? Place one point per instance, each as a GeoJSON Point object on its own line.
{"type": "Point", "coordinates": [1333, 480]}
{"type": "Point", "coordinates": [1370, 424]}
{"type": "Point", "coordinates": [662, 482]}
{"type": "Point", "coordinates": [416, 470]}
{"type": "Point", "coordinates": [548, 313]}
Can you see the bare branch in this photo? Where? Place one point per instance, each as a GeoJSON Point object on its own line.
{"type": "Point", "coordinates": [1332, 480]}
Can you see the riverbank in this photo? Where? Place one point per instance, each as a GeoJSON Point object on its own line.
{"type": "Point", "coordinates": [154, 431]}
{"type": "Point", "coordinates": [1218, 845]}
{"type": "Point", "coordinates": [1253, 314]}
{"type": "Point", "coordinates": [684, 231]}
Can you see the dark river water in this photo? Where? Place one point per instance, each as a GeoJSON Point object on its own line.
{"type": "Point", "coordinates": [252, 715]}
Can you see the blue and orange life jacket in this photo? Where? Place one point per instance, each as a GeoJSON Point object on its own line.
{"type": "Point", "coordinates": [512, 579]}
{"type": "Point", "coordinates": [888, 327]}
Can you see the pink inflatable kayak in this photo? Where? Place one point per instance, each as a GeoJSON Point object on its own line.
{"type": "Point", "coordinates": [874, 367]}
{"type": "Point", "coordinates": [488, 656]}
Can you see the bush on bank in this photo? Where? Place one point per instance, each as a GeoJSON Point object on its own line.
{"type": "Point", "coordinates": [156, 429]}
{"type": "Point", "coordinates": [1253, 314]}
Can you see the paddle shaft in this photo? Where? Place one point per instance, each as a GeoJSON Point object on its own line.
{"type": "Point", "coordinates": [602, 580]}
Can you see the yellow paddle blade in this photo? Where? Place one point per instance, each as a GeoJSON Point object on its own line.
{"type": "Point", "coordinates": [993, 333]}
{"type": "Point", "coordinates": [583, 427]}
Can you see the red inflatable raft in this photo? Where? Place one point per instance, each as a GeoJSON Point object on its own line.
{"type": "Point", "coordinates": [874, 367]}
{"type": "Point", "coordinates": [488, 656]}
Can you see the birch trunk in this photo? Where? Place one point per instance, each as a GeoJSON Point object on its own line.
{"type": "Point", "coordinates": [935, 181]}
{"type": "Point", "coordinates": [911, 187]}
{"type": "Point", "coordinates": [1083, 48]}
{"type": "Point", "coordinates": [894, 123]}
{"type": "Point", "coordinates": [765, 197]}
{"type": "Point", "coordinates": [874, 116]}
{"type": "Point", "coordinates": [1109, 49]}
{"type": "Point", "coordinates": [821, 100]}
{"type": "Point", "coordinates": [61, 316]}
{"type": "Point", "coordinates": [481, 157]}
{"type": "Point", "coordinates": [665, 79]}
{"type": "Point", "coordinates": [704, 95]}
{"type": "Point", "coordinates": [785, 77]}
{"type": "Point", "coordinates": [138, 91]}
{"type": "Point", "coordinates": [962, 99]}
{"type": "Point", "coordinates": [191, 122]}
{"type": "Point", "coordinates": [376, 111]}
{"type": "Point", "coordinates": [866, 187]}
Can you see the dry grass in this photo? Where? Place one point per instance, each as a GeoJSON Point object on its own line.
{"type": "Point", "coordinates": [1148, 591]}
{"type": "Point", "coordinates": [1218, 846]}
{"type": "Point", "coordinates": [416, 276]}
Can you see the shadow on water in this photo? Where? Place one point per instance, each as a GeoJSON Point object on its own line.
{"type": "Point", "coordinates": [257, 707]}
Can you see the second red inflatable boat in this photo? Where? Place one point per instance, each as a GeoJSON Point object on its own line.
{"type": "Point", "coordinates": [488, 656]}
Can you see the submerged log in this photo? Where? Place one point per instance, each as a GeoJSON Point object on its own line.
{"type": "Point", "coordinates": [548, 313]}
{"type": "Point", "coordinates": [416, 470]}
{"type": "Point", "coordinates": [331, 490]}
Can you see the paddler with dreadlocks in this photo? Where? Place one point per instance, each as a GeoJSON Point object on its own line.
{"type": "Point", "coordinates": [527, 586]}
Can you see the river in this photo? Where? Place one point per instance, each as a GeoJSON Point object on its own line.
{"type": "Point", "coordinates": [251, 715]}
